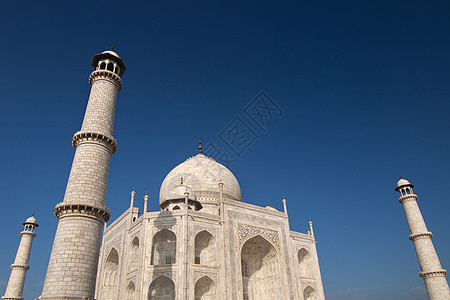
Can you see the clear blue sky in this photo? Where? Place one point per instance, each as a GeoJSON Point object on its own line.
{"type": "Point", "coordinates": [364, 88]}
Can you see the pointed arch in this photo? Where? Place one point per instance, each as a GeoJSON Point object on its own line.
{"type": "Point", "coordinates": [161, 288]}
{"type": "Point", "coordinates": [135, 245]}
{"type": "Point", "coordinates": [131, 291]}
{"type": "Point", "coordinates": [205, 289]}
{"type": "Point", "coordinates": [309, 293]}
{"type": "Point", "coordinates": [164, 248]}
{"type": "Point", "coordinates": [110, 276]}
{"type": "Point", "coordinates": [134, 254]}
{"type": "Point", "coordinates": [261, 276]}
{"type": "Point", "coordinates": [112, 266]}
{"type": "Point", "coordinates": [110, 67]}
{"type": "Point", "coordinates": [304, 263]}
{"type": "Point", "coordinates": [205, 249]}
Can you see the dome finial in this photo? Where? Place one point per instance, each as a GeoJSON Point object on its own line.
{"type": "Point", "coordinates": [200, 148]}
{"type": "Point", "coordinates": [112, 47]}
{"type": "Point", "coordinates": [267, 202]}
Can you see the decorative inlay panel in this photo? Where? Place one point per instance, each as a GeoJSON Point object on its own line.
{"type": "Point", "coordinates": [116, 243]}
{"type": "Point", "coordinates": [247, 231]}
{"type": "Point", "coordinates": [198, 275]}
{"type": "Point", "coordinates": [168, 274]}
{"type": "Point", "coordinates": [198, 228]}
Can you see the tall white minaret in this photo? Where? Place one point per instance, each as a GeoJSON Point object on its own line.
{"type": "Point", "coordinates": [20, 266]}
{"type": "Point", "coordinates": [431, 270]}
{"type": "Point", "coordinates": [72, 269]}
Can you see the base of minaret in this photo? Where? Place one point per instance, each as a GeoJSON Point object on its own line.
{"type": "Point", "coordinates": [12, 298]}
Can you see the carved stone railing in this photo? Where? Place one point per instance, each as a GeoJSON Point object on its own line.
{"type": "Point", "coordinates": [84, 210]}
{"type": "Point", "coordinates": [82, 137]}
{"type": "Point", "coordinates": [105, 74]}
{"type": "Point", "coordinates": [413, 237]}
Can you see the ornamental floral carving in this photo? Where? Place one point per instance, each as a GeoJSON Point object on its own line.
{"type": "Point", "coordinates": [159, 228]}
{"type": "Point", "coordinates": [199, 228]}
{"type": "Point", "coordinates": [198, 275]}
{"type": "Point", "coordinates": [247, 231]}
{"type": "Point", "coordinates": [168, 274]}
{"type": "Point", "coordinates": [116, 243]}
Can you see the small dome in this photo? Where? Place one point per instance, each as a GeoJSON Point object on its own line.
{"type": "Point", "coordinates": [202, 174]}
{"type": "Point", "coordinates": [403, 182]}
{"type": "Point", "coordinates": [32, 221]}
{"type": "Point", "coordinates": [178, 191]}
{"type": "Point", "coordinates": [111, 52]}
{"type": "Point", "coordinates": [271, 208]}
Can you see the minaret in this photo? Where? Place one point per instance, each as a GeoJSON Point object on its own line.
{"type": "Point", "coordinates": [72, 269]}
{"type": "Point", "coordinates": [431, 270]}
{"type": "Point", "coordinates": [20, 266]}
{"type": "Point", "coordinates": [146, 197]}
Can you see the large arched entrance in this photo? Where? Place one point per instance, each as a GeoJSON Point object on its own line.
{"type": "Point", "coordinates": [261, 277]}
{"type": "Point", "coordinates": [162, 288]}
{"type": "Point", "coordinates": [205, 289]}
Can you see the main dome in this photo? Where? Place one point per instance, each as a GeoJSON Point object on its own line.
{"type": "Point", "coordinates": [202, 174]}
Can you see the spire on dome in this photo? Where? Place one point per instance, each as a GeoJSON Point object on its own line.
{"type": "Point", "coordinates": [112, 47]}
{"type": "Point", "coordinates": [200, 148]}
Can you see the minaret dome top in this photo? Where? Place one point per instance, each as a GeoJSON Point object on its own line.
{"type": "Point", "coordinates": [109, 60]}
{"type": "Point", "coordinates": [403, 182]}
{"type": "Point", "coordinates": [31, 221]}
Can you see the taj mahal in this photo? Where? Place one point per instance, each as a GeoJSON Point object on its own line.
{"type": "Point", "coordinates": [205, 242]}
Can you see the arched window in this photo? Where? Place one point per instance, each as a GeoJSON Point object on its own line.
{"type": "Point", "coordinates": [260, 259]}
{"type": "Point", "coordinates": [110, 279]}
{"type": "Point", "coordinates": [131, 291]}
{"type": "Point", "coordinates": [134, 255]}
{"type": "Point", "coordinates": [304, 263]}
{"type": "Point", "coordinates": [205, 249]}
{"type": "Point", "coordinates": [176, 207]}
{"type": "Point", "coordinates": [112, 266]}
{"type": "Point", "coordinates": [164, 248]}
{"type": "Point", "coordinates": [110, 67]}
{"type": "Point", "coordinates": [205, 289]}
{"type": "Point", "coordinates": [102, 66]}
{"type": "Point", "coordinates": [135, 246]}
{"type": "Point", "coordinates": [309, 293]}
{"type": "Point", "coordinates": [162, 288]}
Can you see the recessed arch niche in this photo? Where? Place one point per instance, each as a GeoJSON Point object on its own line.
{"type": "Point", "coordinates": [261, 277]}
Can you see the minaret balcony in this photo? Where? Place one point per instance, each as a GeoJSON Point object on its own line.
{"type": "Point", "coordinates": [407, 197]}
{"type": "Point", "coordinates": [416, 236]}
{"type": "Point", "coordinates": [105, 74]}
